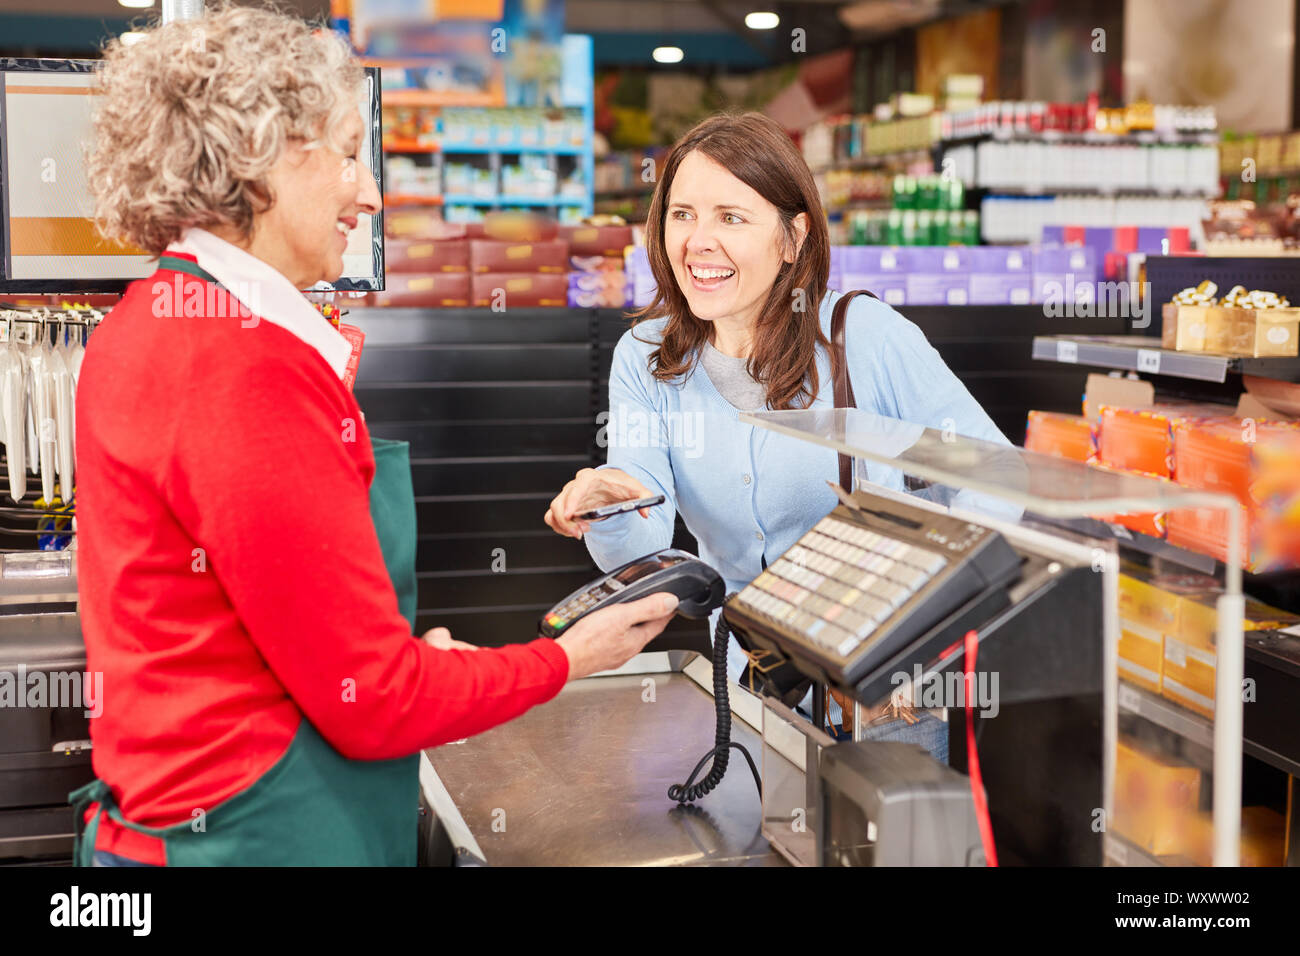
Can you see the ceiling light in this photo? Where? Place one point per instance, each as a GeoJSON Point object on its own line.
{"type": "Point", "coordinates": [762, 21]}
{"type": "Point", "coordinates": [667, 54]}
{"type": "Point", "coordinates": [130, 38]}
{"type": "Point", "coordinates": [136, 4]}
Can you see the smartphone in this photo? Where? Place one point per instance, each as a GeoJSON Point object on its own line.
{"type": "Point", "coordinates": [621, 507]}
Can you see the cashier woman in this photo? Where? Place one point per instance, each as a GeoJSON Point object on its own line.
{"type": "Point", "coordinates": [265, 699]}
{"type": "Point", "coordinates": [737, 241]}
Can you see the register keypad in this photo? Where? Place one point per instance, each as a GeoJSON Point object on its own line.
{"type": "Point", "coordinates": [840, 583]}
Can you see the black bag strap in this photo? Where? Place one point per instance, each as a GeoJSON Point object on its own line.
{"type": "Point", "coordinates": [843, 387]}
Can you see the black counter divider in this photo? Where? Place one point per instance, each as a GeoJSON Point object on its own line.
{"type": "Point", "coordinates": [501, 409]}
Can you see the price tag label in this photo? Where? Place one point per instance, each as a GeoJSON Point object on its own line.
{"type": "Point", "coordinates": [1067, 352]}
{"type": "Point", "coordinates": [1121, 532]}
{"type": "Point", "coordinates": [1128, 698]}
{"type": "Point", "coordinates": [1175, 654]}
{"type": "Point", "coordinates": [1148, 361]}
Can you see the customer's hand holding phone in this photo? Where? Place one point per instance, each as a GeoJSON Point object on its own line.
{"type": "Point", "coordinates": [592, 488]}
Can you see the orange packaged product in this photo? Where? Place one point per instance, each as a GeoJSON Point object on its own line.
{"type": "Point", "coordinates": [1147, 522]}
{"type": "Point", "coordinates": [1141, 439]}
{"type": "Point", "coordinates": [1256, 463]}
{"type": "Point", "coordinates": [1064, 436]}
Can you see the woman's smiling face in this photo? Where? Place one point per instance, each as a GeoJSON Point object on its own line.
{"type": "Point", "coordinates": [724, 240]}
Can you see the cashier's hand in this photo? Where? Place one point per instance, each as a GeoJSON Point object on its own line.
{"type": "Point", "coordinates": [612, 636]}
{"type": "Point", "coordinates": [592, 488]}
{"type": "Point", "coordinates": [441, 638]}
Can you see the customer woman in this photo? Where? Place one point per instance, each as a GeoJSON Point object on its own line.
{"type": "Point", "coordinates": [738, 244]}
{"type": "Point", "coordinates": [264, 697]}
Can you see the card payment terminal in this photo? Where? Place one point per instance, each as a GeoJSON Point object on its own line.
{"type": "Point", "coordinates": [698, 587]}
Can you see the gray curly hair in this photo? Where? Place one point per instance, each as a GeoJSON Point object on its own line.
{"type": "Point", "coordinates": [193, 116]}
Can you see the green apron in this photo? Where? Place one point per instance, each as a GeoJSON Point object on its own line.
{"type": "Point", "coordinates": [314, 807]}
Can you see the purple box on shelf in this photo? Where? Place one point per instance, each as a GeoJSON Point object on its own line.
{"type": "Point", "coordinates": [1001, 288]}
{"type": "Point", "coordinates": [1000, 275]}
{"type": "Point", "coordinates": [1065, 275]}
{"type": "Point", "coordinates": [1100, 239]}
{"type": "Point", "coordinates": [938, 288]}
{"type": "Point", "coordinates": [874, 260]}
{"type": "Point", "coordinates": [1152, 239]}
{"type": "Point", "coordinates": [890, 288]}
{"type": "Point", "coordinates": [1053, 236]}
{"type": "Point", "coordinates": [938, 275]}
{"type": "Point", "coordinates": [993, 260]}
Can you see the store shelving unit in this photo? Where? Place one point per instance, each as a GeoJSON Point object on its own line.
{"type": "Point", "coordinates": [434, 150]}
{"type": "Point", "coordinates": [1143, 354]}
{"type": "Point", "coordinates": [1271, 660]}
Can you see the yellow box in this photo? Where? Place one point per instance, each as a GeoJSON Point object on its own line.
{"type": "Point", "coordinates": [1259, 332]}
{"type": "Point", "coordinates": [1198, 619]}
{"type": "Point", "coordinates": [1141, 655]}
{"type": "Point", "coordinates": [1188, 676]}
{"type": "Point", "coordinates": [1220, 328]}
{"type": "Point", "coordinates": [1142, 602]}
{"type": "Point", "coordinates": [1192, 327]}
{"type": "Point", "coordinates": [1263, 838]}
{"type": "Point", "coordinates": [1155, 799]}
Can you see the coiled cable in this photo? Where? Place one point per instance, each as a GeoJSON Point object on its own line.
{"type": "Point", "coordinates": [721, 753]}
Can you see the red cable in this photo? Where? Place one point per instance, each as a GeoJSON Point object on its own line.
{"type": "Point", "coordinates": [973, 757]}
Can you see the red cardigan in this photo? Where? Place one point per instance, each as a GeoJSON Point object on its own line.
{"type": "Point", "coordinates": [231, 580]}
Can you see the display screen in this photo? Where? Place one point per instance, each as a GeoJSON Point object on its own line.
{"type": "Point", "coordinates": [642, 568]}
{"type": "Point", "coordinates": [48, 241]}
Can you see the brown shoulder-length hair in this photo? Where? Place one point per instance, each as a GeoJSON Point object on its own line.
{"type": "Point", "coordinates": [757, 151]}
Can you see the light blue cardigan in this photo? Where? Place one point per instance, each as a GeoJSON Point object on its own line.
{"type": "Point", "coordinates": [747, 493]}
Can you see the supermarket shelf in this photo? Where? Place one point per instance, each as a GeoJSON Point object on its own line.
{"type": "Point", "coordinates": [415, 97]}
{"type": "Point", "coordinates": [1159, 710]}
{"type": "Point", "coordinates": [1115, 191]}
{"type": "Point", "coordinates": [465, 200]}
{"type": "Point", "coordinates": [875, 160]}
{"type": "Point", "coordinates": [477, 148]}
{"type": "Point", "coordinates": [1122, 852]}
{"type": "Point", "coordinates": [409, 146]}
{"type": "Point", "coordinates": [881, 202]}
{"type": "Point", "coordinates": [1145, 543]}
{"type": "Point", "coordinates": [1140, 353]}
{"type": "Point", "coordinates": [628, 193]}
{"type": "Point", "coordinates": [411, 199]}
{"type": "Point", "coordinates": [1146, 138]}
{"type": "Point", "coordinates": [1133, 353]}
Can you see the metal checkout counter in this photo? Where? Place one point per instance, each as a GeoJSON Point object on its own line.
{"type": "Point", "coordinates": [1000, 559]}
{"type": "Point", "coordinates": [1015, 573]}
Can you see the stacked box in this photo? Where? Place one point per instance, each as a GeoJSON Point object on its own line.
{"type": "Point", "coordinates": [1168, 625]}
{"type": "Point", "coordinates": [1153, 523]}
{"type": "Point", "coordinates": [1263, 838]}
{"type": "Point", "coordinates": [597, 282]}
{"type": "Point", "coordinates": [596, 240]}
{"type": "Point", "coordinates": [445, 290]}
{"type": "Point", "coordinates": [1065, 275]}
{"type": "Point", "coordinates": [426, 255]}
{"type": "Point", "coordinates": [1061, 435]}
{"type": "Point", "coordinates": [1255, 463]}
{"type": "Point", "coordinates": [1000, 275]}
{"type": "Point", "coordinates": [640, 280]}
{"type": "Point", "coordinates": [504, 290]}
{"type": "Point", "coordinates": [494, 255]}
{"type": "Point", "coordinates": [937, 276]}
{"type": "Point", "coordinates": [879, 269]}
{"type": "Point", "coordinates": [1141, 439]}
{"type": "Point", "coordinates": [1156, 799]}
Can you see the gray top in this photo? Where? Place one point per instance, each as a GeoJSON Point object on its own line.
{"type": "Point", "coordinates": [731, 378]}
